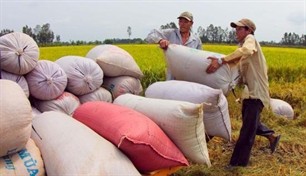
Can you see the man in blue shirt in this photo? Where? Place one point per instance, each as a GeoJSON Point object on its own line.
{"type": "Point", "coordinates": [181, 36]}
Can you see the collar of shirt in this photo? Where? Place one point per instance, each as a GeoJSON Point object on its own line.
{"type": "Point", "coordinates": [190, 39]}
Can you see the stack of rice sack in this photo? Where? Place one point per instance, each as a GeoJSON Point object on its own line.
{"type": "Point", "coordinates": [190, 64]}
{"type": "Point", "coordinates": [72, 99]}
{"type": "Point", "coordinates": [69, 147]}
{"type": "Point", "coordinates": [66, 83]}
{"type": "Point", "coordinates": [135, 134]}
{"type": "Point", "coordinates": [47, 83]}
{"type": "Point", "coordinates": [180, 120]}
{"type": "Point", "coordinates": [55, 89]}
{"type": "Point", "coordinates": [121, 72]}
{"type": "Point", "coordinates": [19, 155]}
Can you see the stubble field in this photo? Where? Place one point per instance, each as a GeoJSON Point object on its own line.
{"type": "Point", "coordinates": [287, 77]}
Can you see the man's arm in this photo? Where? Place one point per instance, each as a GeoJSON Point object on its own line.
{"type": "Point", "coordinates": [247, 49]}
{"type": "Point", "coordinates": [156, 35]}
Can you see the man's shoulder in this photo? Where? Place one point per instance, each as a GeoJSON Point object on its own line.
{"type": "Point", "coordinates": [171, 29]}
{"type": "Point", "coordinates": [250, 37]}
{"type": "Point", "coordinates": [195, 37]}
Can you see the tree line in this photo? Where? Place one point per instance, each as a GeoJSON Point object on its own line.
{"type": "Point", "coordinates": [44, 36]}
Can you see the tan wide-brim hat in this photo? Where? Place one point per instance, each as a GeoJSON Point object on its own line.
{"type": "Point", "coordinates": [244, 22]}
{"type": "Point", "coordinates": [187, 15]}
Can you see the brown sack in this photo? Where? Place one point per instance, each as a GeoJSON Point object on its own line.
{"type": "Point", "coordinates": [15, 118]}
{"type": "Point", "coordinates": [27, 161]}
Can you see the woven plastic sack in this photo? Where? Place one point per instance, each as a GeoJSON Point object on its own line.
{"type": "Point", "coordinates": [84, 75]}
{"type": "Point", "coordinates": [19, 53]}
{"type": "Point", "coordinates": [47, 80]}
{"type": "Point", "coordinates": [27, 161]}
{"type": "Point", "coordinates": [282, 108]}
{"type": "Point", "coordinates": [70, 148]}
{"type": "Point", "coordinates": [15, 118]}
{"type": "Point", "coordinates": [181, 121]}
{"type": "Point", "coordinates": [190, 64]}
{"type": "Point", "coordinates": [147, 146]}
{"type": "Point", "coordinates": [19, 79]}
{"type": "Point", "coordinates": [216, 114]}
{"type": "Point", "coordinates": [122, 85]}
{"type": "Point", "coordinates": [35, 112]}
{"type": "Point", "coordinates": [65, 103]}
{"type": "Point", "coordinates": [115, 61]}
{"type": "Point", "coordinates": [101, 94]}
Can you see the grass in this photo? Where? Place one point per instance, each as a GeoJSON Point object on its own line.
{"type": "Point", "coordinates": [287, 76]}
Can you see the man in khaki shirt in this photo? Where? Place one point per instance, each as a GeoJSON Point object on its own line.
{"type": "Point", "coordinates": [253, 71]}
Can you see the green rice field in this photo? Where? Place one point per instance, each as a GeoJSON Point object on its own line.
{"type": "Point", "coordinates": [287, 77]}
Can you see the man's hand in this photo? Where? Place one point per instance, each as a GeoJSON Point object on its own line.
{"type": "Point", "coordinates": [214, 65]}
{"type": "Point", "coordinates": [163, 44]}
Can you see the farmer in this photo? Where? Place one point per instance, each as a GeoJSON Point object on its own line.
{"type": "Point", "coordinates": [181, 36]}
{"type": "Point", "coordinates": [253, 70]}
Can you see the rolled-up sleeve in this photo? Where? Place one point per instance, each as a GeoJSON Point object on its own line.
{"type": "Point", "coordinates": [156, 35]}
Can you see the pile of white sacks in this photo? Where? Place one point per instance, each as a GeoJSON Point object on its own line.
{"type": "Point", "coordinates": [190, 64]}
{"type": "Point", "coordinates": [86, 116]}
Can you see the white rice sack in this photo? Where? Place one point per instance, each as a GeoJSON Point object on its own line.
{"type": "Point", "coordinates": [19, 79]}
{"type": "Point", "coordinates": [15, 118]}
{"type": "Point", "coordinates": [65, 103]}
{"type": "Point", "coordinates": [217, 120]}
{"type": "Point", "coordinates": [70, 148]}
{"type": "Point", "coordinates": [181, 121]}
{"type": "Point", "coordinates": [101, 94]}
{"type": "Point", "coordinates": [190, 64]}
{"type": "Point", "coordinates": [282, 108]}
{"type": "Point", "coordinates": [115, 61]}
{"type": "Point", "coordinates": [27, 161]}
{"type": "Point", "coordinates": [176, 89]}
{"type": "Point", "coordinates": [47, 80]}
{"type": "Point", "coordinates": [216, 114]}
{"type": "Point", "coordinates": [19, 53]}
{"type": "Point", "coordinates": [84, 75]}
{"type": "Point", "coordinates": [122, 85]}
{"type": "Point", "coordinates": [35, 112]}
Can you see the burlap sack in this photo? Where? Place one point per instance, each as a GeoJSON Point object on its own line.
{"type": "Point", "coordinates": [84, 75]}
{"type": "Point", "coordinates": [47, 80]}
{"type": "Point", "coordinates": [121, 85]}
{"type": "Point", "coordinates": [115, 61]}
{"type": "Point", "coordinates": [27, 161]}
{"type": "Point", "coordinates": [101, 94]}
{"type": "Point", "coordinates": [19, 79]}
{"type": "Point", "coordinates": [65, 103]}
{"type": "Point", "coordinates": [19, 53]}
{"type": "Point", "coordinates": [15, 118]}
{"type": "Point", "coordinates": [281, 108]}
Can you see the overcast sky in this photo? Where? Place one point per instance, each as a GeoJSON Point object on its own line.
{"type": "Point", "coordinates": [91, 20]}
